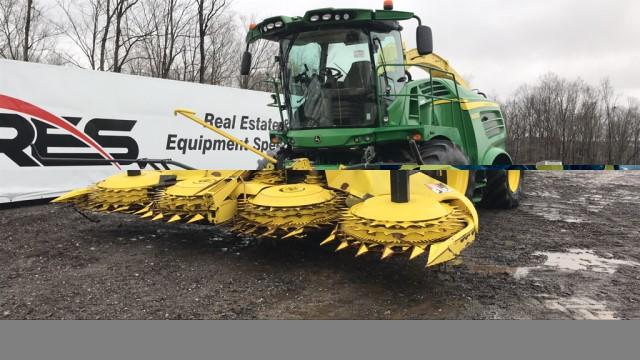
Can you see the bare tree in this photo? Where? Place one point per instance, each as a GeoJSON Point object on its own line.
{"type": "Point", "coordinates": [225, 51]}
{"type": "Point", "coordinates": [25, 34]}
{"type": "Point", "coordinates": [27, 30]}
{"type": "Point", "coordinates": [11, 14]}
{"type": "Point", "coordinates": [207, 11]}
{"type": "Point", "coordinates": [167, 24]}
{"type": "Point", "coordinates": [102, 31]}
{"type": "Point", "coordinates": [571, 121]}
{"type": "Point", "coordinates": [82, 25]}
{"type": "Point", "coordinates": [124, 40]}
{"type": "Point", "coordinates": [109, 13]}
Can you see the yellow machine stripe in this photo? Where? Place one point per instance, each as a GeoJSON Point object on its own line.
{"type": "Point", "coordinates": [440, 102]}
{"type": "Point", "coordinates": [469, 105]}
{"type": "Point", "coordinates": [477, 104]}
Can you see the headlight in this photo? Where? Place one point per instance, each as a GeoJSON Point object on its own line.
{"type": "Point", "coordinates": [326, 17]}
{"type": "Point", "coordinates": [346, 16]}
{"type": "Point", "coordinates": [271, 26]}
{"type": "Point", "coordinates": [279, 24]}
{"type": "Point", "coordinates": [315, 18]}
{"type": "Point", "coordinates": [337, 17]}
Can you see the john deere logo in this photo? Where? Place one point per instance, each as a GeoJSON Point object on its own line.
{"type": "Point", "coordinates": [317, 139]}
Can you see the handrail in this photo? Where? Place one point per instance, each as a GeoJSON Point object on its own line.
{"type": "Point", "coordinates": [140, 162]}
{"type": "Point", "coordinates": [433, 98]}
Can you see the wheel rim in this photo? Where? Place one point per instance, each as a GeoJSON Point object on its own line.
{"type": "Point", "coordinates": [513, 178]}
{"type": "Point", "coordinates": [458, 179]}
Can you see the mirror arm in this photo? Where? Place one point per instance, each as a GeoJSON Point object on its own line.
{"type": "Point", "coordinates": [418, 18]}
{"type": "Point", "coordinates": [384, 67]}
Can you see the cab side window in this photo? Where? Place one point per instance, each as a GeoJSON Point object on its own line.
{"type": "Point", "coordinates": [388, 51]}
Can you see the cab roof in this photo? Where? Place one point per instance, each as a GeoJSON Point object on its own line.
{"type": "Point", "coordinates": [278, 27]}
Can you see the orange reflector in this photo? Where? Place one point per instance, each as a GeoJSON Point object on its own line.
{"type": "Point", "coordinates": [252, 26]}
{"type": "Point", "coordinates": [388, 4]}
{"type": "Point", "coordinates": [275, 140]}
{"type": "Point", "coordinates": [417, 137]}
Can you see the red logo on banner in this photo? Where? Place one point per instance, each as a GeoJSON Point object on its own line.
{"type": "Point", "coordinates": [38, 113]}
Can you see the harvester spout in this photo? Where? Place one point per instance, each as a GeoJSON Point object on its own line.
{"type": "Point", "coordinates": [191, 115]}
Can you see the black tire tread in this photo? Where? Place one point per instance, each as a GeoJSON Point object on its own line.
{"type": "Point", "coordinates": [497, 194]}
{"type": "Point", "coordinates": [444, 152]}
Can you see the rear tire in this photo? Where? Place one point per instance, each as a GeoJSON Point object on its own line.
{"type": "Point", "coordinates": [444, 152]}
{"type": "Point", "coordinates": [499, 193]}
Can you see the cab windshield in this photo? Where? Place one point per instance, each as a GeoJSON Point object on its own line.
{"type": "Point", "coordinates": [329, 79]}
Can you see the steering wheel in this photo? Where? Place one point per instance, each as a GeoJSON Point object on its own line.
{"type": "Point", "coordinates": [332, 73]}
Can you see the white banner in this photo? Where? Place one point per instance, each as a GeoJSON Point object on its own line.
{"type": "Point", "coordinates": [50, 113]}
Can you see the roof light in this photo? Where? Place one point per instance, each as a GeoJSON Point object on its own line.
{"type": "Point", "coordinates": [279, 24]}
{"type": "Point", "coordinates": [264, 29]}
{"type": "Point", "coordinates": [326, 17]}
{"type": "Point", "coordinates": [388, 4]}
{"type": "Point", "coordinates": [315, 18]}
{"type": "Point", "coordinates": [271, 26]}
{"type": "Point", "coordinates": [346, 16]}
{"type": "Point", "coordinates": [337, 17]}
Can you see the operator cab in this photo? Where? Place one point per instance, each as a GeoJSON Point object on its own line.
{"type": "Point", "coordinates": [342, 72]}
{"type": "Point", "coordinates": [330, 75]}
{"type": "Point", "coordinates": [339, 68]}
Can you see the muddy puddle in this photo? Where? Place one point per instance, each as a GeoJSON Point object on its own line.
{"type": "Point", "coordinates": [562, 267]}
{"type": "Point", "coordinates": [582, 308]}
{"type": "Point", "coordinates": [574, 260]}
{"type": "Point", "coordinates": [549, 198]}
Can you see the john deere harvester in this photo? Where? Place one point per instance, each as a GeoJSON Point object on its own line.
{"type": "Point", "coordinates": [350, 102]}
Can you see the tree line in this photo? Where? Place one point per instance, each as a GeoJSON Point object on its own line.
{"type": "Point", "coordinates": [187, 40]}
{"type": "Point", "coordinates": [203, 40]}
{"type": "Point", "coordinates": [573, 122]}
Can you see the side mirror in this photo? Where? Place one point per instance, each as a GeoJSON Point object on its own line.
{"type": "Point", "coordinates": [424, 39]}
{"type": "Point", "coordinates": [245, 67]}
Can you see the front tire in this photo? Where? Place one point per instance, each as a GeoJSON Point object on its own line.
{"type": "Point", "coordinates": [503, 189]}
{"type": "Point", "coordinates": [444, 152]}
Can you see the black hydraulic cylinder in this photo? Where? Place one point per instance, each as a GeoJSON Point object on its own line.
{"type": "Point", "coordinates": [400, 186]}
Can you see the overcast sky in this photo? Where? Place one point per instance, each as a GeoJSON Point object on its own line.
{"type": "Point", "coordinates": [500, 44]}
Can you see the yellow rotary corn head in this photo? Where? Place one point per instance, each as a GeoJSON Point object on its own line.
{"type": "Point", "coordinates": [290, 211]}
{"type": "Point", "coordinates": [367, 211]}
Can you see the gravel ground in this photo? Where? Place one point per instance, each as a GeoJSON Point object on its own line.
{"type": "Point", "coordinates": [571, 251]}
